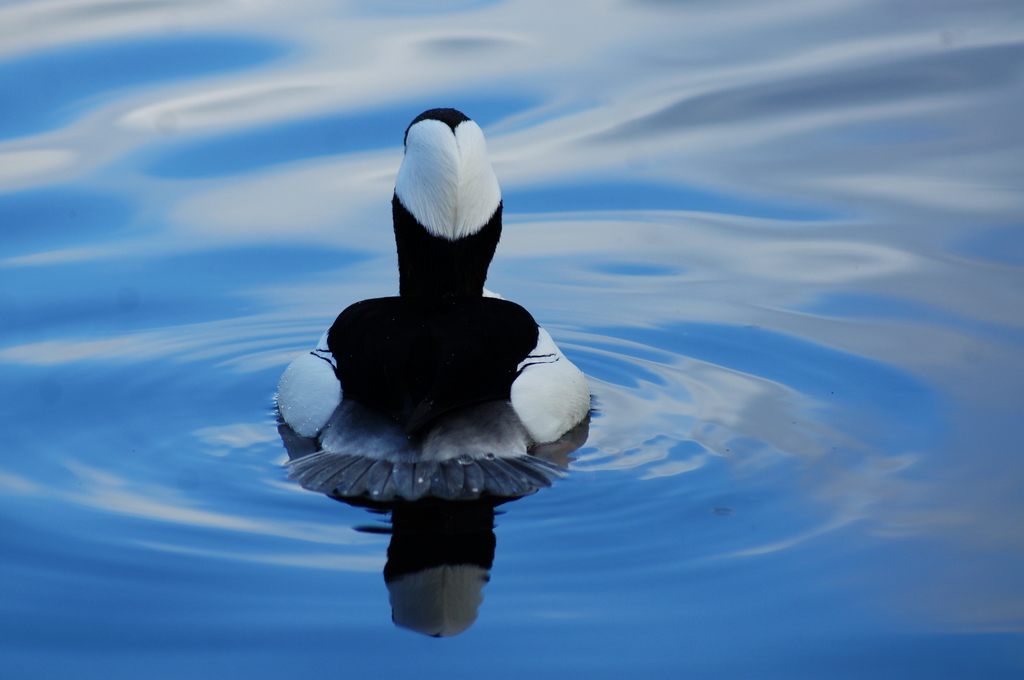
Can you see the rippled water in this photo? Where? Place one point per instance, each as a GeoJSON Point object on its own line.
{"type": "Point", "coordinates": [783, 239]}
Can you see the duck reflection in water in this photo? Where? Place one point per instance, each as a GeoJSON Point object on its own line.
{"type": "Point", "coordinates": [446, 392]}
{"type": "Point", "coordinates": [441, 550]}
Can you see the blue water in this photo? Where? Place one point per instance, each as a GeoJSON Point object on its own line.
{"type": "Point", "coordinates": [652, 196]}
{"type": "Point", "coordinates": [783, 244]}
{"type": "Point", "coordinates": [52, 217]}
{"type": "Point", "coordinates": [53, 87]}
{"type": "Point", "coordinates": [250, 150]}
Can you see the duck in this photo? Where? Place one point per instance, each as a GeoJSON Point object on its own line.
{"type": "Point", "coordinates": [447, 388]}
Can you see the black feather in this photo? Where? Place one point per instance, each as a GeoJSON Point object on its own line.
{"type": "Point", "coordinates": [417, 359]}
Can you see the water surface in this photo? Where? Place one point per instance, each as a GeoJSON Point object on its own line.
{"type": "Point", "coordinates": [782, 239]}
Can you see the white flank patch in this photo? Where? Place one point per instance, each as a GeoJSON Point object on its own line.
{"type": "Point", "coordinates": [446, 180]}
{"type": "Point", "coordinates": [308, 393]}
{"type": "Point", "coordinates": [550, 395]}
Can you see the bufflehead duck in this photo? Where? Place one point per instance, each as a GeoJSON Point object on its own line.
{"type": "Point", "coordinates": [445, 389]}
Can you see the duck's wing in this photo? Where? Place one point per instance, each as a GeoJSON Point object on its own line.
{"type": "Point", "coordinates": [309, 391]}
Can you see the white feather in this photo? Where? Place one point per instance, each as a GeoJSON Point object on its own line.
{"type": "Point", "coordinates": [550, 395]}
{"type": "Point", "coordinates": [479, 194]}
{"type": "Point", "coordinates": [309, 391]}
{"type": "Point", "coordinates": [446, 180]}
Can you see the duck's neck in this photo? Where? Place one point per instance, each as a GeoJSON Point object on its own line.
{"type": "Point", "coordinates": [433, 267]}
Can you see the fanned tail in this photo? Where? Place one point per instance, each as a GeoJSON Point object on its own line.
{"type": "Point", "coordinates": [464, 478]}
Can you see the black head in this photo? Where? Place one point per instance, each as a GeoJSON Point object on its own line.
{"type": "Point", "coordinates": [450, 117]}
{"type": "Point", "coordinates": [447, 207]}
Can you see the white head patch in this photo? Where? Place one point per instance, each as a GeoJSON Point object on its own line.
{"type": "Point", "coordinates": [446, 180]}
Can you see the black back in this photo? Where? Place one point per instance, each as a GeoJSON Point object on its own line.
{"type": "Point", "coordinates": [416, 359]}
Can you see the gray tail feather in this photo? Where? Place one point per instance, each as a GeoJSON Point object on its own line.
{"type": "Point", "coordinates": [351, 475]}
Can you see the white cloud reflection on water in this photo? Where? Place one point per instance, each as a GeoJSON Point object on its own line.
{"type": "Point", "coordinates": [679, 64]}
{"type": "Point", "coordinates": [107, 492]}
